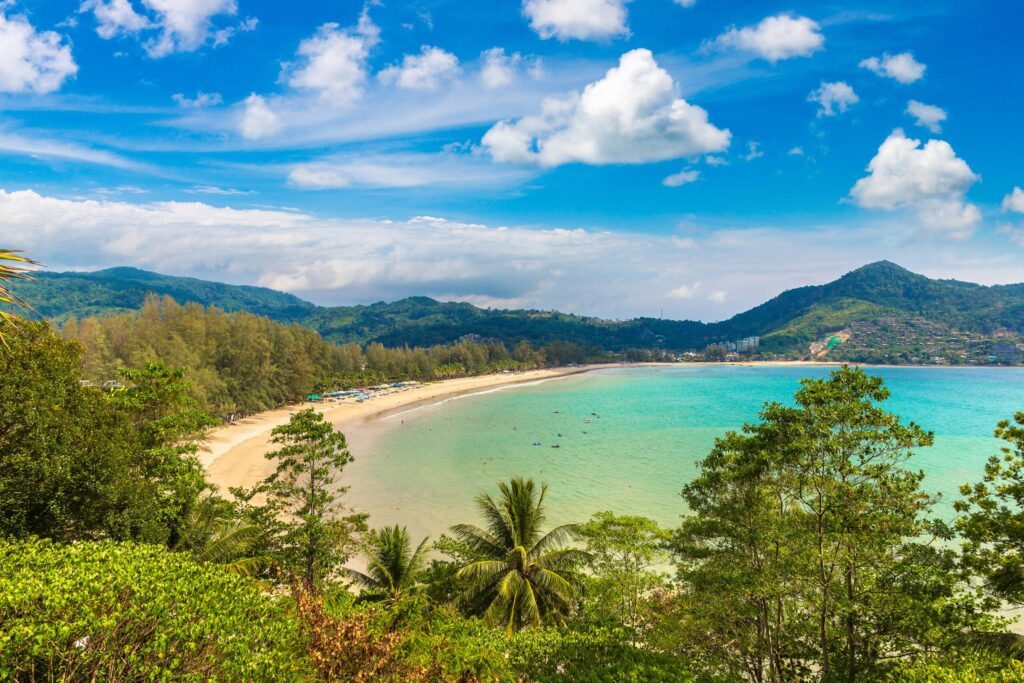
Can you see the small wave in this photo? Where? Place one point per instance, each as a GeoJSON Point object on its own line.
{"type": "Point", "coordinates": [468, 394]}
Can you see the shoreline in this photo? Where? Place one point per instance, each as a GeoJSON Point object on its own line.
{"type": "Point", "coordinates": [233, 455]}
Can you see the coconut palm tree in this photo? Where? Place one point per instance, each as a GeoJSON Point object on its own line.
{"type": "Point", "coordinates": [393, 565]}
{"type": "Point", "coordinates": [521, 577]}
{"type": "Point", "coordinates": [212, 533]}
{"type": "Point", "coordinates": [10, 270]}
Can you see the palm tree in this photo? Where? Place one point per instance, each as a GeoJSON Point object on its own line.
{"type": "Point", "coordinates": [211, 532]}
{"type": "Point", "coordinates": [393, 565]}
{"type": "Point", "coordinates": [520, 578]}
{"type": "Point", "coordinates": [8, 274]}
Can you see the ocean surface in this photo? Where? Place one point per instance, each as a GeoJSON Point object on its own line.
{"type": "Point", "coordinates": [629, 438]}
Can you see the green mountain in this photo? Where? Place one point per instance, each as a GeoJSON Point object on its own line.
{"type": "Point", "coordinates": [60, 295]}
{"type": "Point", "coordinates": [904, 312]}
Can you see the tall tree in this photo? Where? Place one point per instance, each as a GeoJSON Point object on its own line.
{"type": "Point", "coordinates": [519, 576]}
{"type": "Point", "coordinates": [68, 456]}
{"type": "Point", "coordinates": [303, 502]}
{"type": "Point", "coordinates": [169, 424]}
{"type": "Point", "coordinates": [807, 529]}
{"type": "Point", "coordinates": [625, 552]}
{"type": "Point", "coordinates": [991, 523]}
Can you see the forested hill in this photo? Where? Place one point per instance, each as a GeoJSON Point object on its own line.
{"type": "Point", "coordinates": [881, 298]}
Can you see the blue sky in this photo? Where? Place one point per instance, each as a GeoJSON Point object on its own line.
{"type": "Point", "coordinates": [606, 157]}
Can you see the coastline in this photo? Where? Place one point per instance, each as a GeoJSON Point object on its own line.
{"type": "Point", "coordinates": [233, 455]}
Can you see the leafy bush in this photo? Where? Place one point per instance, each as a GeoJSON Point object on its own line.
{"type": "Point", "coordinates": [117, 611]}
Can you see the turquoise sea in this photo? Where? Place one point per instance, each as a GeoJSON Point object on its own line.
{"type": "Point", "coordinates": [648, 428]}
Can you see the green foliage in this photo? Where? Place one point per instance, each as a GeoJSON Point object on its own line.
{"type": "Point", "coordinates": [302, 512]}
{"type": "Point", "coordinates": [519, 576]}
{"type": "Point", "coordinates": [117, 290]}
{"type": "Point", "coordinates": [110, 611]}
{"type": "Point", "coordinates": [625, 552]}
{"type": "Point", "coordinates": [598, 655]}
{"type": "Point", "coordinates": [68, 457]}
{"type": "Point", "coordinates": [992, 517]}
{"type": "Point", "coordinates": [808, 542]}
{"type": "Point", "coordinates": [393, 566]}
{"type": "Point", "coordinates": [167, 422]}
{"type": "Point", "coordinates": [240, 363]}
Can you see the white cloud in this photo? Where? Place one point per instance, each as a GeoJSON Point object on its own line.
{"type": "Point", "coordinates": [776, 38]}
{"type": "Point", "coordinates": [683, 291]}
{"type": "Point", "coordinates": [172, 25]}
{"type": "Point", "coordinates": [1014, 201]}
{"type": "Point", "coordinates": [333, 61]}
{"type": "Point", "coordinates": [902, 67]}
{"type": "Point", "coordinates": [115, 17]}
{"type": "Point", "coordinates": [834, 98]}
{"type": "Point", "coordinates": [30, 60]}
{"type": "Point", "coordinates": [796, 151]}
{"type": "Point", "coordinates": [632, 115]}
{"type": "Point", "coordinates": [202, 99]}
{"type": "Point", "coordinates": [428, 70]}
{"type": "Point", "coordinates": [498, 69]}
{"type": "Point", "coordinates": [258, 120]}
{"type": "Point", "coordinates": [577, 19]}
{"type": "Point", "coordinates": [609, 273]}
{"type": "Point", "coordinates": [451, 170]}
{"type": "Point", "coordinates": [685, 3]}
{"type": "Point", "coordinates": [931, 180]}
{"type": "Point", "coordinates": [927, 115]}
{"type": "Point", "coordinates": [753, 151]}
{"type": "Point", "coordinates": [681, 178]}
{"type": "Point", "coordinates": [213, 189]}
{"type": "Point", "coordinates": [712, 160]}
{"type": "Point", "coordinates": [48, 148]}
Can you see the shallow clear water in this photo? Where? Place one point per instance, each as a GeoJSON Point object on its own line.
{"type": "Point", "coordinates": [655, 423]}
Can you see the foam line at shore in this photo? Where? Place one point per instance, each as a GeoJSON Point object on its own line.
{"type": "Point", "coordinates": [469, 394]}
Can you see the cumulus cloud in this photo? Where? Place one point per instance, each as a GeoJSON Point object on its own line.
{"type": "Point", "coordinates": [30, 60]}
{"type": "Point", "coordinates": [632, 115]}
{"type": "Point", "coordinates": [428, 70]}
{"type": "Point", "coordinates": [833, 98]}
{"type": "Point", "coordinates": [258, 120]}
{"type": "Point", "coordinates": [202, 99]}
{"type": "Point", "coordinates": [1014, 201]}
{"type": "Point", "coordinates": [775, 38]}
{"type": "Point", "coordinates": [499, 69]}
{"type": "Point", "coordinates": [171, 25]}
{"type": "Point", "coordinates": [926, 115]}
{"type": "Point", "coordinates": [332, 62]}
{"type": "Point", "coordinates": [754, 151]}
{"type": "Point", "coordinates": [931, 180]}
{"type": "Point", "coordinates": [115, 17]}
{"type": "Point", "coordinates": [902, 67]}
{"type": "Point", "coordinates": [681, 178]}
{"type": "Point", "coordinates": [577, 19]}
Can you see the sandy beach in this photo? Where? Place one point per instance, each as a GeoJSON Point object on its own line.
{"type": "Point", "coordinates": [233, 454]}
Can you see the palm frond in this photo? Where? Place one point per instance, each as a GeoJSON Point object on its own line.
{"type": "Point", "coordinates": [1003, 644]}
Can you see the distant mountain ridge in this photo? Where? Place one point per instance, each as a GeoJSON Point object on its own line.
{"type": "Point", "coordinates": [878, 293]}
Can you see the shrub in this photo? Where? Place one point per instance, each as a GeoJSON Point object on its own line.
{"type": "Point", "coordinates": [117, 611]}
